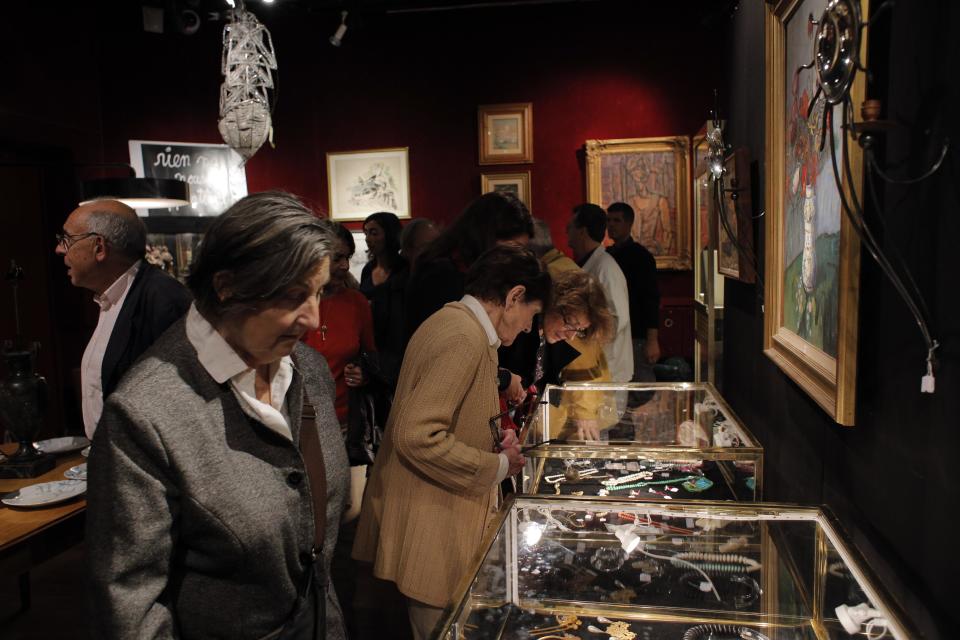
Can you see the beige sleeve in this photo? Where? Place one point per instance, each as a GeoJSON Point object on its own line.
{"type": "Point", "coordinates": [422, 432]}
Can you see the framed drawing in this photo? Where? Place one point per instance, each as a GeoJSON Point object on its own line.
{"type": "Point", "coordinates": [516, 183]}
{"type": "Point", "coordinates": [735, 256]}
{"type": "Point", "coordinates": [364, 182]}
{"type": "Point", "coordinates": [812, 253]}
{"type": "Point", "coordinates": [506, 133]}
{"type": "Point", "coordinates": [652, 176]}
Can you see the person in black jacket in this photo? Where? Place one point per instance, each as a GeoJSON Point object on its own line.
{"type": "Point", "coordinates": [438, 274]}
{"type": "Point", "coordinates": [640, 268]}
{"type": "Point", "coordinates": [383, 281]}
{"type": "Point", "coordinates": [103, 243]}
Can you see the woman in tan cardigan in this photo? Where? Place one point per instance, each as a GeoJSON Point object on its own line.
{"type": "Point", "coordinates": [434, 485]}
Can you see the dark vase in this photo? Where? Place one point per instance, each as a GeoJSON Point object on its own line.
{"type": "Point", "coordinates": [23, 401]}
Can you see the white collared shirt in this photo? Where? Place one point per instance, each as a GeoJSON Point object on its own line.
{"type": "Point", "coordinates": [477, 308]}
{"type": "Point", "coordinates": [223, 364]}
{"type": "Point", "coordinates": [494, 340]}
{"type": "Point", "coordinates": [91, 365]}
{"type": "Point", "coordinates": [619, 351]}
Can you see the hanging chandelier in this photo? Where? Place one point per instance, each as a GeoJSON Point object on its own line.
{"type": "Point", "coordinates": [248, 65]}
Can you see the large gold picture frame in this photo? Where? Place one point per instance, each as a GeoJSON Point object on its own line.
{"type": "Point", "coordinates": [812, 253]}
{"type": "Point", "coordinates": [652, 175]}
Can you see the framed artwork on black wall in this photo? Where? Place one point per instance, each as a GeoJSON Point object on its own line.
{"type": "Point", "coordinates": [812, 253]}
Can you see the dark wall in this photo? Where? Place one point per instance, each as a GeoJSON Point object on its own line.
{"type": "Point", "coordinates": [889, 478]}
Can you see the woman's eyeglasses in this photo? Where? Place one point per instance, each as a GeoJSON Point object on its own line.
{"type": "Point", "coordinates": [581, 332]}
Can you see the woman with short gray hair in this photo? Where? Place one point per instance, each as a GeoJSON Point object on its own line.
{"type": "Point", "coordinates": [218, 473]}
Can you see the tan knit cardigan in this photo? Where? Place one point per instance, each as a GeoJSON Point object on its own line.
{"type": "Point", "coordinates": [433, 487]}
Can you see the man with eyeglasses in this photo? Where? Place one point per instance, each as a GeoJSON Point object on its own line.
{"type": "Point", "coordinates": [103, 245]}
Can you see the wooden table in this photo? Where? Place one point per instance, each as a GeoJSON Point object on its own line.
{"type": "Point", "coordinates": [31, 536]}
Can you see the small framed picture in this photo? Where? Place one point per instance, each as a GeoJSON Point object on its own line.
{"type": "Point", "coordinates": [516, 183]}
{"type": "Point", "coordinates": [364, 182]}
{"type": "Point", "coordinates": [506, 133]}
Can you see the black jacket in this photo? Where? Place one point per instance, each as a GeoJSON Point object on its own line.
{"type": "Point", "coordinates": [640, 268]}
{"type": "Point", "coordinates": [154, 302]}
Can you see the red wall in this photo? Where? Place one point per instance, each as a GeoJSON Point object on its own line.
{"type": "Point", "coordinates": [595, 70]}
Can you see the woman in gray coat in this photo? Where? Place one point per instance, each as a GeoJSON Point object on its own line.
{"type": "Point", "coordinates": [209, 476]}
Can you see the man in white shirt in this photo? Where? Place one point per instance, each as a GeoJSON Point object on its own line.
{"type": "Point", "coordinates": [585, 233]}
{"type": "Point", "coordinates": [103, 244]}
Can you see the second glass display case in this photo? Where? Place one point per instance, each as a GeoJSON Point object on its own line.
{"type": "Point", "coordinates": [641, 441]}
{"type": "Point", "coordinates": [574, 568]}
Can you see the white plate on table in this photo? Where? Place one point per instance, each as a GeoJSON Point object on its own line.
{"type": "Point", "coordinates": [62, 445]}
{"type": "Point", "coordinates": [86, 452]}
{"type": "Point", "coordinates": [46, 493]}
{"type": "Point", "coordinates": [78, 472]}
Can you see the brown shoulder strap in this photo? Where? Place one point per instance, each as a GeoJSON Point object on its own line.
{"type": "Point", "coordinates": [316, 472]}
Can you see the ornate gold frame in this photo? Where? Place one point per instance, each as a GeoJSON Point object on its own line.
{"type": "Point", "coordinates": [831, 382]}
{"type": "Point", "coordinates": [680, 147]}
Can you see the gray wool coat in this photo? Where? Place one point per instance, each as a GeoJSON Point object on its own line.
{"type": "Point", "coordinates": [197, 521]}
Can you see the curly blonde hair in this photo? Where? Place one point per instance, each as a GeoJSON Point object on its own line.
{"type": "Point", "coordinates": [579, 292]}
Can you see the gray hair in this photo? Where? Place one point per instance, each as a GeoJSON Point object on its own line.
{"type": "Point", "coordinates": [542, 241]}
{"type": "Point", "coordinates": [125, 234]}
{"type": "Point", "coordinates": [409, 234]}
{"type": "Point", "coordinates": [264, 244]}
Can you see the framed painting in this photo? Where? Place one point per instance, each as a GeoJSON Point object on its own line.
{"type": "Point", "coordinates": [652, 176]}
{"type": "Point", "coordinates": [506, 133]}
{"type": "Point", "coordinates": [735, 256]}
{"type": "Point", "coordinates": [364, 182]}
{"type": "Point", "coordinates": [516, 183]}
{"type": "Point", "coordinates": [812, 253]}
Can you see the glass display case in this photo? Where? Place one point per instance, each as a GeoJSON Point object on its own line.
{"type": "Point", "coordinates": [573, 568]}
{"type": "Point", "coordinates": [662, 441]}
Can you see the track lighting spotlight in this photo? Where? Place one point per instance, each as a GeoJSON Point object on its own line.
{"type": "Point", "coordinates": [337, 37]}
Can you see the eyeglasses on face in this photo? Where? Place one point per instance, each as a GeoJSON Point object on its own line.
{"type": "Point", "coordinates": [67, 240]}
{"type": "Point", "coordinates": [569, 326]}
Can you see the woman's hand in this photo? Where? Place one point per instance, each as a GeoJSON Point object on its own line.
{"type": "Point", "coordinates": [588, 430]}
{"type": "Point", "coordinates": [353, 375]}
{"type": "Point", "coordinates": [510, 447]}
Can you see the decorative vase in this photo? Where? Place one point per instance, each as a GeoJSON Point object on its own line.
{"type": "Point", "coordinates": [23, 401]}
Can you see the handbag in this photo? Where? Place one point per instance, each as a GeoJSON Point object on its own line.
{"type": "Point", "coordinates": [368, 407]}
